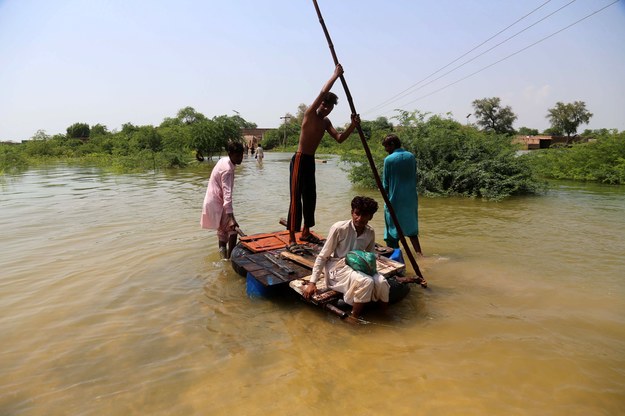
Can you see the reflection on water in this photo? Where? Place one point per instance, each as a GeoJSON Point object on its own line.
{"type": "Point", "coordinates": [115, 302]}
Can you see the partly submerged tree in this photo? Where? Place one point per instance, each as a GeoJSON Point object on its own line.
{"type": "Point", "coordinates": [601, 160]}
{"type": "Point", "coordinates": [492, 117]}
{"type": "Point", "coordinates": [453, 159]}
{"type": "Point", "coordinates": [566, 118]}
{"type": "Point", "coordinates": [211, 136]}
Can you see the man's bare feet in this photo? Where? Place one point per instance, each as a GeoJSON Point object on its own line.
{"type": "Point", "coordinates": [416, 279]}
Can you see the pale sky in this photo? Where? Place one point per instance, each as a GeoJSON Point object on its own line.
{"type": "Point", "coordinates": [118, 61]}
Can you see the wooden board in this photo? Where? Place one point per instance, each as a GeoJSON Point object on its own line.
{"type": "Point", "coordinates": [261, 267]}
{"type": "Point", "coordinates": [385, 266]}
{"type": "Point", "coordinates": [270, 241]}
{"type": "Point", "coordinates": [271, 264]}
{"type": "Point", "coordinates": [323, 295]}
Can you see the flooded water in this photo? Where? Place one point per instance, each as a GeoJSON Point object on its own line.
{"type": "Point", "coordinates": [115, 302]}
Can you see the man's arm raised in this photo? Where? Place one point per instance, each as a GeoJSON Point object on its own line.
{"type": "Point", "coordinates": [338, 71]}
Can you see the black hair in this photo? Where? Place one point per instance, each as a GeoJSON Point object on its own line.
{"type": "Point", "coordinates": [330, 98]}
{"type": "Point", "coordinates": [393, 140]}
{"type": "Point", "coordinates": [234, 147]}
{"type": "Point", "coordinates": [365, 205]}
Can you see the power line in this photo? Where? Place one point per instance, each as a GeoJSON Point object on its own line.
{"type": "Point", "coordinates": [490, 49]}
{"type": "Point", "coordinates": [404, 92]}
{"type": "Point", "coordinates": [513, 54]}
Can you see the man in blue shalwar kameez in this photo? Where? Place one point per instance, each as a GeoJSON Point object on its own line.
{"type": "Point", "coordinates": [400, 183]}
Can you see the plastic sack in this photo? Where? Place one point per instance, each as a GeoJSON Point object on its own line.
{"type": "Point", "coordinates": [362, 261]}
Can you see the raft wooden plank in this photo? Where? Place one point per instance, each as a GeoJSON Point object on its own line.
{"type": "Point", "coordinates": [323, 295]}
{"type": "Point", "coordinates": [307, 262]}
{"type": "Point", "coordinates": [267, 272]}
{"type": "Point", "coordinates": [257, 243]}
{"type": "Point", "coordinates": [385, 266]}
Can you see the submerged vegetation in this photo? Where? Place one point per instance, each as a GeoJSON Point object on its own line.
{"type": "Point", "coordinates": [453, 159]}
{"type": "Point", "coordinates": [172, 144]}
{"type": "Point", "coordinates": [601, 159]}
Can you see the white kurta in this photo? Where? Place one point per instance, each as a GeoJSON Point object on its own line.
{"type": "Point", "coordinates": [355, 286]}
{"type": "Point", "coordinates": [218, 198]}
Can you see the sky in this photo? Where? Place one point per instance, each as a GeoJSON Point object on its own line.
{"type": "Point", "coordinates": [117, 61]}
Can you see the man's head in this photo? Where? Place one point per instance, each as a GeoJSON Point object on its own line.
{"type": "Point", "coordinates": [327, 105]}
{"type": "Point", "coordinates": [363, 209]}
{"type": "Point", "coordinates": [391, 142]}
{"type": "Point", "coordinates": [235, 152]}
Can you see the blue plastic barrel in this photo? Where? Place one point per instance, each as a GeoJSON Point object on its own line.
{"type": "Point", "coordinates": [397, 256]}
{"type": "Point", "coordinates": [254, 288]}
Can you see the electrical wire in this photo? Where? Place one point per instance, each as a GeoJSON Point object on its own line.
{"type": "Point", "coordinates": [406, 91]}
{"type": "Point", "coordinates": [513, 54]}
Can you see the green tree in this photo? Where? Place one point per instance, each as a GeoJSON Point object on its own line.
{"type": "Point", "coordinates": [98, 130]}
{"type": "Point", "coordinates": [226, 129]}
{"type": "Point", "coordinates": [78, 131]}
{"type": "Point", "coordinates": [188, 115]}
{"type": "Point", "coordinates": [129, 128]}
{"type": "Point", "coordinates": [147, 138]}
{"type": "Point", "coordinates": [492, 117]}
{"type": "Point", "coordinates": [176, 137]}
{"type": "Point", "coordinates": [299, 118]}
{"type": "Point", "coordinates": [526, 131]}
{"type": "Point", "coordinates": [12, 159]}
{"type": "Point", "coordinates": [243, 123]}
{"type": "Point", "coordinates": [381, 124]}
{"type": "Point", "coordinates": [453, 159]}
{"type": "Point", "coordinates": [601, 160]}
{"type": "Point", "coordinates": [39, 145]}
{"type": "Point", "coordinates": [568, 117]}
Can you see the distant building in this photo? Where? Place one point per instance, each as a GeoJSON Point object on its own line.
{"type": "Point", "coordinates": [253, 136]}
{"type": "Point", "coordinates": [544, 142]}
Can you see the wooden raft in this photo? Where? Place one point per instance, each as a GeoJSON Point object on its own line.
{"type": "Point", "coordinates": [265, 262]}
{"type": "Point", "coordinates": [270, 241]}
{"type": "Point", "coordinates": [262, 267]}
{"type": "Point", "coordinates": [271, 264]}
{"type": "Point", "coordinates": [385, 266]}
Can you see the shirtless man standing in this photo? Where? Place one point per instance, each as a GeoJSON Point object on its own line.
{"type": "Point", "coordinates": [302, 180]}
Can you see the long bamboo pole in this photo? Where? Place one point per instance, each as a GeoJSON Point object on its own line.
{"type": "Point", "coordinates": [376, 175]}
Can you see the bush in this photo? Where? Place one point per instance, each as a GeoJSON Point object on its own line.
{"type": "Point", "coordinates": [11, 159]}
{"type": "Point", "coordinates": [601, 160]}
{"type": "Point", "coordinates": [453, 159]}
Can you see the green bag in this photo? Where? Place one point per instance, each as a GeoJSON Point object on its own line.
{"type": "Point", "coordinates": [362, 261]}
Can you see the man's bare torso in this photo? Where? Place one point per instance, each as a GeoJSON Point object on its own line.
{"type": "Point", "coordinates": [313, 128]}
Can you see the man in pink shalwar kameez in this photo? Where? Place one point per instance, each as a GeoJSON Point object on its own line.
{"type": "Point", "coordinates": [217, 210]}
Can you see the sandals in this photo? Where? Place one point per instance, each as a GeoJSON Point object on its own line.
{"type": "Point", "coordinates": [311, 238]}
{"type": "Point", "coordinates": [297, 249]}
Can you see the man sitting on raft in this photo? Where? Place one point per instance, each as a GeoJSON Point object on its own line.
{"type": "Point", "coordinates": [357, 287]}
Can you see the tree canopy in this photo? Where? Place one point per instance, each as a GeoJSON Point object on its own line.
{"type": "Point", "coordinates": [492, 117]}
{"type": "Point", "coordinates": [78, 130]}
{"type": "Point", "coordinates": [566, 118]}
{"type": "Point", "coordinates": [452, 159]}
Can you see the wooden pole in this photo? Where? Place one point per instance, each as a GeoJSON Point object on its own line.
{"type": "Point", "coordinates": [376, 175]}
